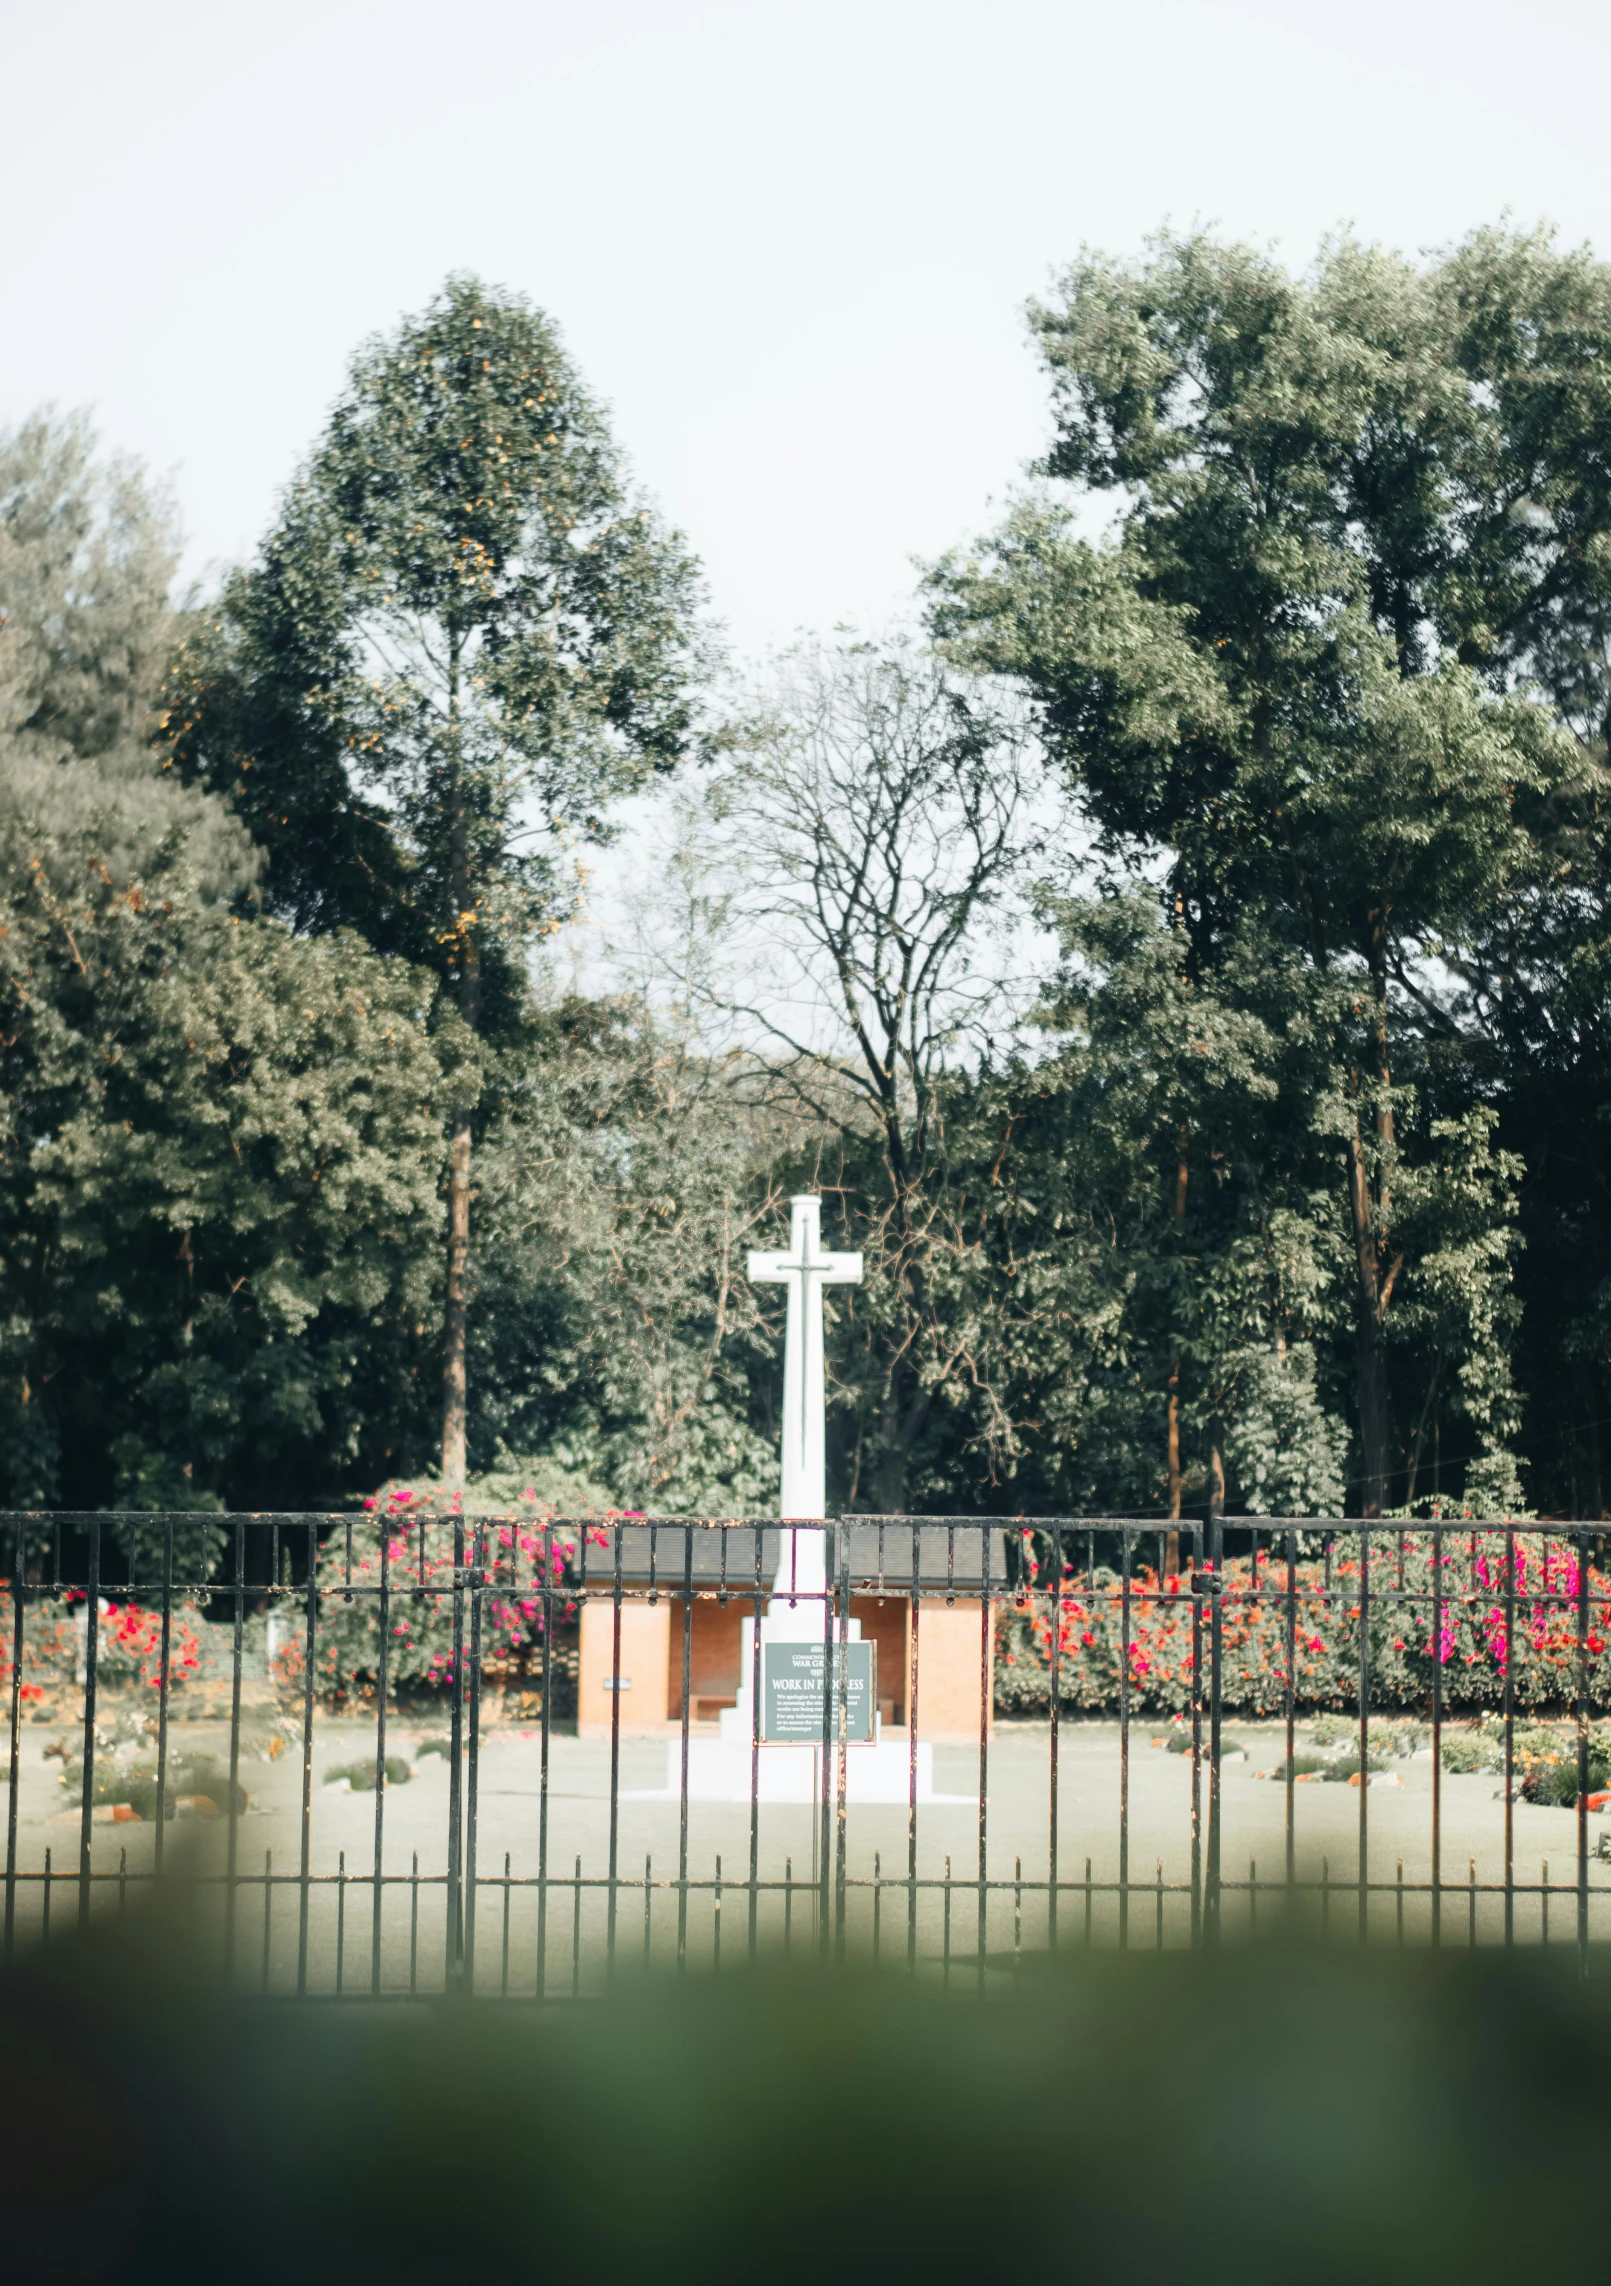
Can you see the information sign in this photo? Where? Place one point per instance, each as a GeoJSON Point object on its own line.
{"type": "Point", "coordinates": [792, 1686]}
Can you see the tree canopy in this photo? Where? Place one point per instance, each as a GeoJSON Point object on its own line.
{"type": "Point", "coordinates": [1311, 668]}
{"type": "Point", "coordinates": [1183, 964]}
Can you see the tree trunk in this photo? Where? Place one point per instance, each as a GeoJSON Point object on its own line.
{"type": "Point", "coordinates": [1172, 1432]}
{"type": "Point", "coordinates": [901, 1417]}
{"type": "Point", "coordinates": [456, 1303]}
{"type": "Point", "coordinates": [889, 1470]}
{"type": "Point", "coordinates": [455, 1314]}
{"type": "Point", "coordinates": [889, 1481]}
{"type": "Point", "coordinates": [1172, 1539]}
{"type": "Point", "coordinates": [1418, 1441]}
{"type": "Point", "coordinates": [1370, 1372]}
{"type": "Point", "coordinates": [1371, 1387]}
{"type": "Point", "coordinates": [1596, 1492]}
{"type": "Point", "coordinates": [1371, 1206]}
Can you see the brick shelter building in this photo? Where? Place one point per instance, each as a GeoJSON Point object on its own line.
{"type": "Point", "coordinates": [659, 1565]}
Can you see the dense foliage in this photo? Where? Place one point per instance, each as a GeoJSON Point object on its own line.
{"type": "Point", "coordinates": [1184, 974]}
{"type": "Point", "coordinates": [1336, 684]}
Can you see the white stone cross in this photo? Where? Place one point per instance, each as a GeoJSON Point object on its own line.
{"type": "Point", "coordinates": [805, 1269]}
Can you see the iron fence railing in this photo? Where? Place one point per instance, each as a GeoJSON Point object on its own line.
{"type": "Point", "coordinates": [980, 1781]}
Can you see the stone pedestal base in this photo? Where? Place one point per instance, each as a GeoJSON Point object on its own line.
{"type": "Point", "coordinates": [719, 1768]}
{"type": "Point", "coordinates": [719, 1771]}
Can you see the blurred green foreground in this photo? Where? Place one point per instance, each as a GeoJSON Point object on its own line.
{"type": "Point", "coordinates": [1274, 2113]}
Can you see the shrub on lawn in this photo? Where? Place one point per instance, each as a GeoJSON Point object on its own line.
{"type": "Point", "coordinates": [360, 1776]}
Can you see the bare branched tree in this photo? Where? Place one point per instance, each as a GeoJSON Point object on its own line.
{"type": "Point", "coordinates": [877, 822]}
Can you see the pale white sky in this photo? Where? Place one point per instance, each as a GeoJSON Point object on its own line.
{"type": "Point", "coordinates": [790, 243]}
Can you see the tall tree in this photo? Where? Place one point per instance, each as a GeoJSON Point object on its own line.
{"type": "Point", "coordinates": [219, 1158]}
{"type": "Point", "coordinates": [1294, 666]}
{"type": "Point", "coordinates": [464, 638]}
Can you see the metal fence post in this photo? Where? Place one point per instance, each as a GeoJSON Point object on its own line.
{"type": "Point", "coordinates": [1214, 1537]}
{"type": "Point", "coordinates": [92, 1647]}
{"type": "Point", "coordinates": [454, 1935]}
{"type": "Point", "coordinates": [841, 1731]}
{"type": "Point", "coordinates": [830, 1730]}
{"type": "Point", "coordinates": [19, 1560]}
{"type": "Point", "coordinates": [477, 1586]}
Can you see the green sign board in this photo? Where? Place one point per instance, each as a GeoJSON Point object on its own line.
{"type": "Point", "coordinates": [792, 1693]}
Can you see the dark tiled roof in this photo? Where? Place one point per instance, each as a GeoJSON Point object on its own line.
{"type": "Point", "coordinates": [945, 1554]}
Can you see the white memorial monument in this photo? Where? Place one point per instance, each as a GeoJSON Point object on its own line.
{"type": "Point", "coordinates": [800, 1611]}
{"type": "Point", "coordinates": [805, 1269]}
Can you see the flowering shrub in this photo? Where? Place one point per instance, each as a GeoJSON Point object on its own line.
{"type": "Point", "coordinates": [129, 1647]}
{"type": "Point", "coordinates": [1501, 1610]}
{"type": "Point", "coordinates": [49, 1651]}
{"type": "Point", "coordinates": [408, 1533]}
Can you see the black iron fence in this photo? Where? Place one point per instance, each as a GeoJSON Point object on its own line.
{"type": "Point", "coordinates": [518, 1755]}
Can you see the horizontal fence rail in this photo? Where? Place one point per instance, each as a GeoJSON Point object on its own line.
{"type": "Point", "coordinates": [519, 1755]}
